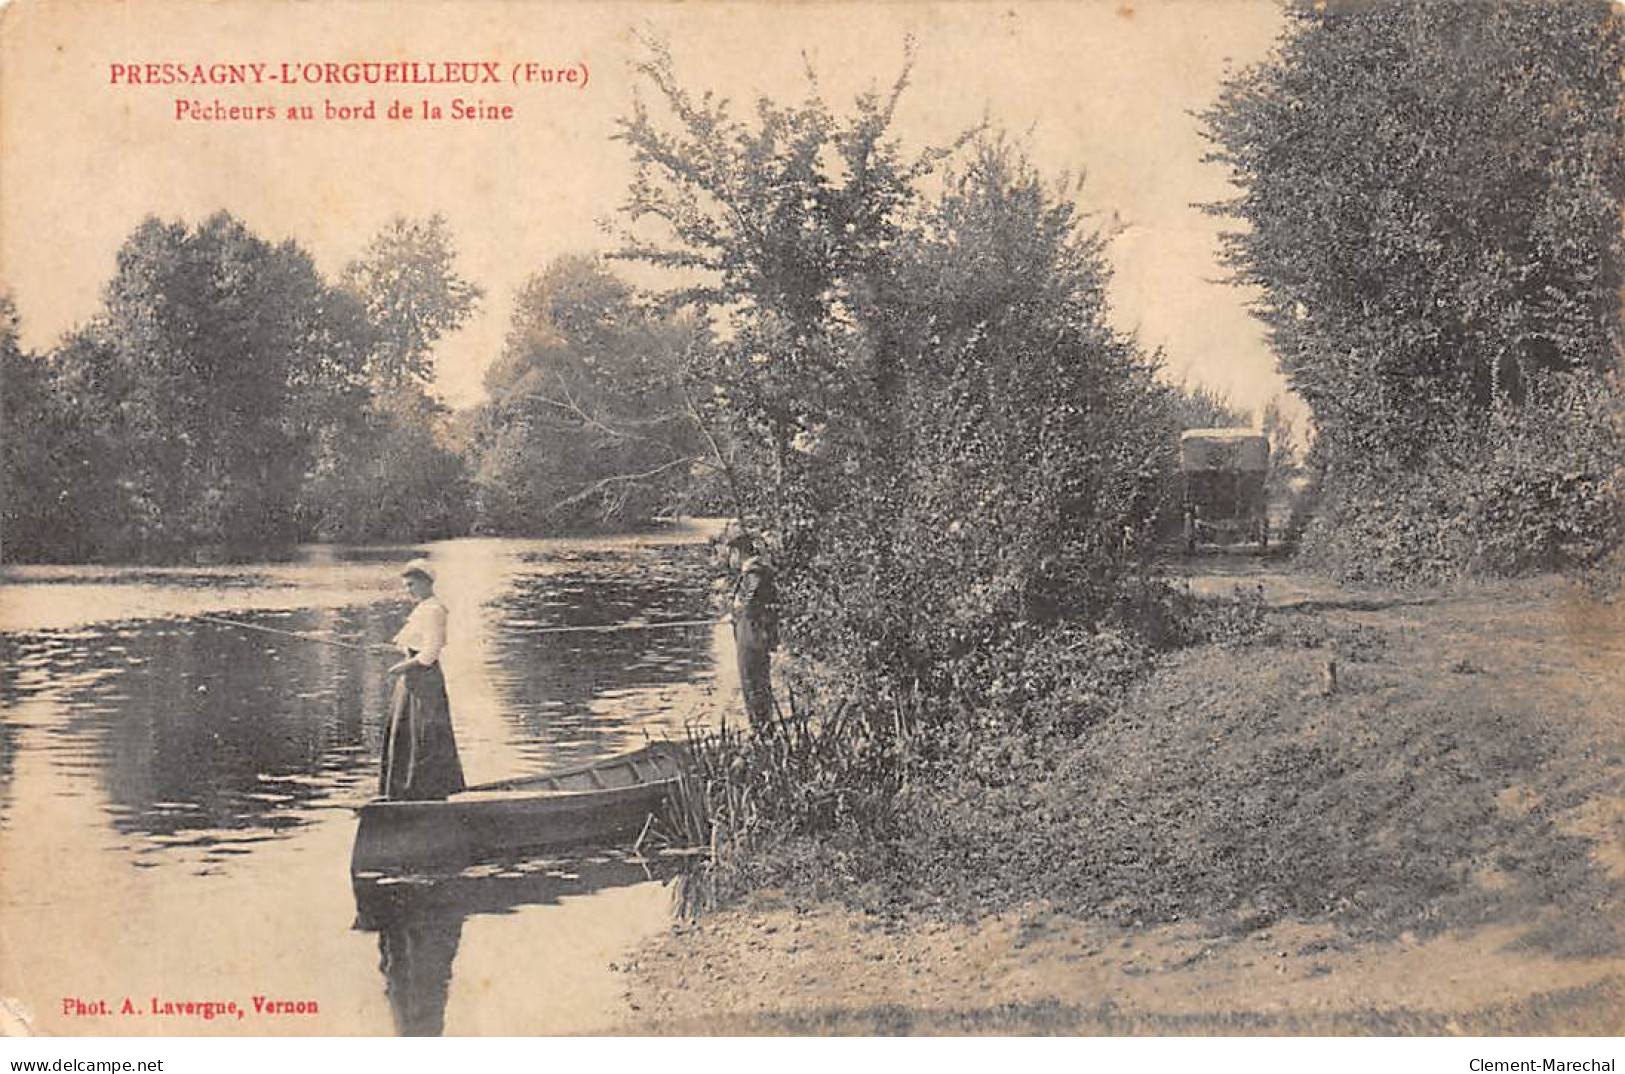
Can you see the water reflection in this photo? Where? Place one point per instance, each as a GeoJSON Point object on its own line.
{"type": "Point", "coordinates": [206, 774]}
{"type": "Point", "coordinates": [198, 727]}
{"type": "Point", "coordinates": [419, 921]}
{"type": "Point", "coordinates": [578, 697]}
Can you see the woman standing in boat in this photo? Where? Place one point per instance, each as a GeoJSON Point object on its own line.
{"type": "Point", "coordinates": [420, 752]}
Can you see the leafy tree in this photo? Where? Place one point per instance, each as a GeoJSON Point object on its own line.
{"type": "Point", "coordinates": [61, 471]}
{"type": "Point", "coordinates": [589, 421]}
{"type": "Point", "coordinates": [1036, 439]}
{"type": "Point", "coordinates": [408, 281]}
{"type": "Point", "coordinates": [226, 395]}
{"type": "Point", "coordinates": [1432, 194]}
{"type": "Point", "coordinates": [388, 470]}
{"type": "Point", "coordinates": [215, 356]}
{"type": "Point", "coordinates": [24, 470]}
{"type": "Point", "coordinates": [1286, 454]}
{"type": "Point", "coordinates": [43, 475]}
{"type": "Point", "coordinates": [922, 403]}
{"type": "Point", "coordinates": [1198, 406]}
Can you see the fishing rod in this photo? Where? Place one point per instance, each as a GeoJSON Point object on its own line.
{"type": "Point", "coordinates": [318, 639]}
{"type": "Point", "coordinates": [610, 627]}
{"type": "Point", "coordinates": [381, 647]}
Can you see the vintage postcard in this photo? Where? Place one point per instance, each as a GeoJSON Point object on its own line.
{"type": "Point", "coordinates": [635, 518]}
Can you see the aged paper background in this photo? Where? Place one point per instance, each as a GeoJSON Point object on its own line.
{"type": "Point", "coordinates": [1101, 87]}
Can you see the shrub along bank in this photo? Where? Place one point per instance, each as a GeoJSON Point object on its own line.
{"type": "Point", "coordinates": [1459, 772]}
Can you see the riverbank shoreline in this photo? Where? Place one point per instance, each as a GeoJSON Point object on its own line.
{"type": "Point", "coordinates": [1430, 844]}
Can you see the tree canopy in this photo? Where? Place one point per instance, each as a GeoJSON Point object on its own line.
{"type": "Point", "coordinates": [588, 420]}
{"type": "Point", "coordinates": [213, 356]}
{"type": "Point", "coordinates": [1431, 195]}
{"type": "Point", "coordinates": [408, 282]}
{"type": "Point", "coordinates": [227, 397]}
{"type": "Point", "coordinates": [918, 394]}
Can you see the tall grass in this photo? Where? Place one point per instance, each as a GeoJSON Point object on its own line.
{"type": "Point", "coordinates": [746, 792]}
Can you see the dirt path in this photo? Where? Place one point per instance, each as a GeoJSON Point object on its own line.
{"type": "Point", "coordinates": [826, 969]}
{"type": "Point", "coordinates": [1530, 952]}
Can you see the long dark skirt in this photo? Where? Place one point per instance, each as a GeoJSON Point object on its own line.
{"type": "Point", "coordinates": [420, 754]}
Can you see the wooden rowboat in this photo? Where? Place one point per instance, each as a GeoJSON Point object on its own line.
{"type": "Point", "coordinates": [595, 804]}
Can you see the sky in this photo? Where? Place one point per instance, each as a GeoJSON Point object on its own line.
{"type": "Point", "coordinates": [1099, 87]}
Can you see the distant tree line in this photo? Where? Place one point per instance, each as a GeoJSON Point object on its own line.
{"type": "Point", "coordinates": [228, 401]}
{"type": "Point", "coordinates": [1432, 195]}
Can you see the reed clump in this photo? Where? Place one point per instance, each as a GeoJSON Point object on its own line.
{"type": "Point", "coordinates": [749, 796]}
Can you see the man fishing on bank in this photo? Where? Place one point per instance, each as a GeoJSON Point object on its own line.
{"type": "Point", "coordinates": [754, 610]}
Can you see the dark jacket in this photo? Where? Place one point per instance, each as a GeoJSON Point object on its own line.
{"type": "Point", "coordinates": [756, 600]}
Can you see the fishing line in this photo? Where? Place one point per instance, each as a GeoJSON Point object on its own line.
{"type": "Point", "coordinates": [609, 627]}
{"type": "Point", "coordinates": [381, 647]}
{"type": "Point", "coordinates": [374, 647]}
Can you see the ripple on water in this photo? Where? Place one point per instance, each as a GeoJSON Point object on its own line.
{"type": "Point", "coordinates": [253, 776]}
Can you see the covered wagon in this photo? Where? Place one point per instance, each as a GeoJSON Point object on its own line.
{"type": "Point", "coordinates": [1224, 472]}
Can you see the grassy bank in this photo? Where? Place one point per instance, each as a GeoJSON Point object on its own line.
{"type": "Point", "coordinates": [1464, 773]}
{"type": "Point", "coordinates": [1436, 784]}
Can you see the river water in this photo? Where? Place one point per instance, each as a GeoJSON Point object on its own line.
{"type": "Point", "coordinates": [176, 795]}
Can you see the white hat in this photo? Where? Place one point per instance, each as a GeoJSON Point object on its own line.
{"type": "Point", "coordinates": [418, 566]}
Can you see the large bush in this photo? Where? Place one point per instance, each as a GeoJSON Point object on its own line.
{"type": "Point", "coordinates": [922, 405]}
{"type": "Point", "coordinates": [1527, 488]}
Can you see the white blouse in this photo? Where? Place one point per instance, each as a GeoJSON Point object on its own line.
{"type": "Point", "coordinates": [425, 631]}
